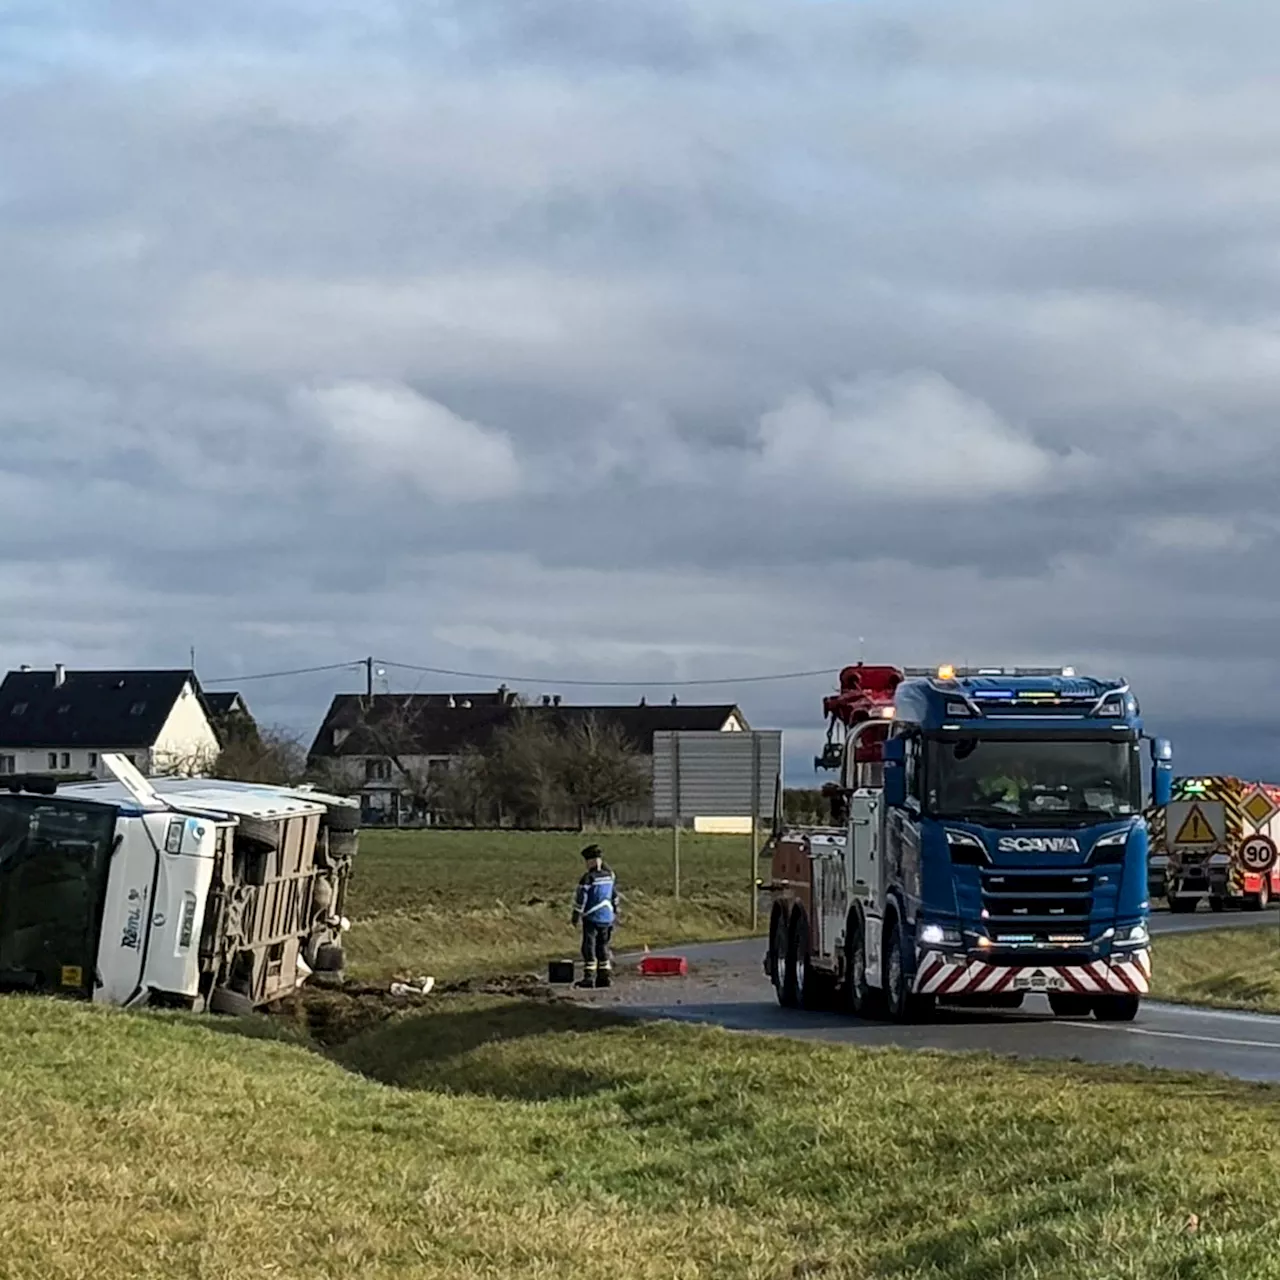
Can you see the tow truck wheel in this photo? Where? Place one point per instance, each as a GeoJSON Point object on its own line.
{"type": "Point", "coordinates": [1259, 901]}
{"type": "Point", "coordinates": [1183, 906]}
{"type": "Point", "coordinates": [811, 986]}
{"type": "Point", "coordinates": [784, 975]}
{"type": "Point", "coordinates": [1116, 1008]}
{"type": "Point", "coordinates": [904, 1004]}
{"type": "Point", "coordinates": [1067, 1005]}
{"type": "Point", "coordinates": [865, 1001]}
{"type": "Point", "coordinates": [1217, 903]}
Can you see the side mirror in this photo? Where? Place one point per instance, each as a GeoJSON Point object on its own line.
{"type": "Point", "coordinates": [895, 771]}
{"type": "Point", "coordinates": [1161, 771]}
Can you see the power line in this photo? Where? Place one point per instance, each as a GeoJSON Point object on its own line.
{"type": "Point", "coordinates": [282, 675]}
{"type": "Point", "coordinates": [522, 680]}
{"type": "Point", "coordinates": [608, 684]}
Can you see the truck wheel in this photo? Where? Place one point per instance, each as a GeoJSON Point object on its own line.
{"type": "Point", "coordinates": [1259, 901]}
{"type": "Point", "coordinates": [865, 1000]}
{"type": "Point", "coordinates": [1116, 1008]}
{"type": "Point", "coordinates": [904, 1004]}
{"type": "Point", "coordinates": [1183, 906]}
{"type": "Point", "coordinates": [330, 958]}
{"type": "Point", "coordinates": [1067, 1005]}
{"type": "Point", "coordinates": [1217, 903]}
{"type": "Point", "coordinates": [784, 975]}
{"type": "Point", "coordinates": [808, 983]}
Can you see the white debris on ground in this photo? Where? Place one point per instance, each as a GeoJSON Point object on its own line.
{"type": "Point", "coordinates": [419, 987]}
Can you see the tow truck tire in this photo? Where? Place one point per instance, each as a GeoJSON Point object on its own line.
{"type": "Point", "coordinates": [904, 1005]}
{"type": "Point", "coordinates": [865, 1001]}
{"type": "Point", "coordinates": [1116, 1008]}
{"type": "Point", "coordinates": [1259, 901]}
{"type": "Point", "coordinates": [1217, 903]}
{"type": "Point", "coordinates": [784, 975]}
{"type": "Point", "coordinates": [1183, 906]}
{"type": "Point", "coordinates": [1066, 1004]}
{"type": "Point", "coordinates": [812, 988]}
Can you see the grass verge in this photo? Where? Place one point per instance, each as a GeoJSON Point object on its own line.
{"type": "Point", "coordinates": [454, 904]}
{"type": "Point", "coordinates": [522, 1138]}
{"type": "Point", "coordinates": [1223, 968]}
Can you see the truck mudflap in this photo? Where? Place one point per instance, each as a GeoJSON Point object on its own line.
{"type": "Point", "coordinates": [1123, 975]}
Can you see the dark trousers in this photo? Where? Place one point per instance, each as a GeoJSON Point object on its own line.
{"type": "Point", "coordinates": [596, 958]}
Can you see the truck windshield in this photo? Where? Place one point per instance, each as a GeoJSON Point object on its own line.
{"type": "Point", "coordinates": [1055, 780]}
{"type": "Point", "coordinates": [54, 860]}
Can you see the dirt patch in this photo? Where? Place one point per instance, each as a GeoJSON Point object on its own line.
{"type": "Point", "coordinates": [331, 1016]}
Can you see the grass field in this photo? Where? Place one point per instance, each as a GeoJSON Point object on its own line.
{"type": "Point", "coordinates": [1227, 968]}
{"type": "Point", "coordinates": [491, 1138]}
{"type": "Point", "coordinates": [455, 904]}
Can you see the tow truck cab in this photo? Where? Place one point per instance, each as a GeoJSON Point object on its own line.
{"type": "Point", "coordinates": [198, 893]}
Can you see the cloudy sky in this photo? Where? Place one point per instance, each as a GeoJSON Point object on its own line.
{"type": "Point", "coordinates": [647, 341]}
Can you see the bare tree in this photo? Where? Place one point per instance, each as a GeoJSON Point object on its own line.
{"type": "Point", "coordinates": [524, 768]}
{"type": "Point", "coordinates": [273, 755]}
{"type": "Point", "coordinates": [465, 791]}
{"type": "Point", "coordinates": [600, 769]}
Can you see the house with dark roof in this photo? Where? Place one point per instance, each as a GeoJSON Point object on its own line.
{"type": "Point", "coordinates": [63, 722]}
{"type": "Point", "coordinates": [388, 744]}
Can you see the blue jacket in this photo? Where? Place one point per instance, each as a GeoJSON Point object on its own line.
{"type": "Point", "coordinates": [596, 901]}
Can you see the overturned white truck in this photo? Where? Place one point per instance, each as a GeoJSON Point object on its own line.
{"type": "Point", "coordinates": [188, 892]}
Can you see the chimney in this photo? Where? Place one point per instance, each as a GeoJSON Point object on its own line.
{"type": "Point", "coordinates": [546, 699]}
{"type": "Point", "coordinates": [674, 700]}
{"type": "Point", "coordinates": [555, 701]}
{"type": "Point", "coordinates": [26, 666]}
{"type": "Point", "coordinates": [59, 675]}
{"type": "Point", "coordinates": [644, 702]}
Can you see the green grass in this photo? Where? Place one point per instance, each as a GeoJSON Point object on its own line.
{"type": "Point", "coordinates": [1225, 968]}
{"type": "Point", "coordinates": [492, 1138]}
{"type": "Point", "coordinates": [454, 904]}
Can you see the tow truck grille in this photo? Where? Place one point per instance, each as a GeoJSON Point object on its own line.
{"type": "Point", "coordinates": [1044, 897]}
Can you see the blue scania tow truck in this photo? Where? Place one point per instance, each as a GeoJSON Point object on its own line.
{"type": "Point", "coordinates": [987, 842]}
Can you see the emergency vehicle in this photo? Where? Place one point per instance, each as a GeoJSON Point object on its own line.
{"type": "Point", "coordinates": [1216, 839]}
{"type": "Point", "coordinates": [987, 841]}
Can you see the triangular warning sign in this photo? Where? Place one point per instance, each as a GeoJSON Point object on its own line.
{"type": "Point", "coordinates": [1195, 829]}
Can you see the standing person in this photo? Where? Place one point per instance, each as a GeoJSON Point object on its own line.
{"type": "Point", "coordinates": [596, 905]}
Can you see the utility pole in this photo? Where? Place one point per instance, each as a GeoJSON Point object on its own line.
{"type": "Point", "coordinates": [368, 683]}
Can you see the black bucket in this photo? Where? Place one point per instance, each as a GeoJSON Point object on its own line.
{"type": "Point", "coordinates": [560, 971]}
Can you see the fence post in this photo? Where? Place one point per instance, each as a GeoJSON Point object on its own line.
{"type": "Point", "coordinates": [755, 829]}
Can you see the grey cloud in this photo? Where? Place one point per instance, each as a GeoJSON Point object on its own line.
{"type": "Point", "coordinates": [591, 339]}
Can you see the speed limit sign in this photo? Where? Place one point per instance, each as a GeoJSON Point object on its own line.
{"type": "Point", "coordinates": [1258, 854]}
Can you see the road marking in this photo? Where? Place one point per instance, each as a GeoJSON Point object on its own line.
{"type": "Point", "coordinates": [1183, 1035]}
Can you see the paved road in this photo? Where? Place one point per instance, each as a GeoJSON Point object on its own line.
{"type": "Point", "coordinates": [727, 987]}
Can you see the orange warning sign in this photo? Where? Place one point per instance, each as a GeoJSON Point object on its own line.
{"type": "Point", "coordinates": [1195, 829]}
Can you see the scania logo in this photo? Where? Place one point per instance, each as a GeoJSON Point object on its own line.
{"type": "Point", "coordinates": [1039, 844]}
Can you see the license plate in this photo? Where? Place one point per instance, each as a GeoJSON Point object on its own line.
{"type": "Point", "coordinates": [1039, 981]}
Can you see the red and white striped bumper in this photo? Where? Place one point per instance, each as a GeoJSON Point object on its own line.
{"type": "Point", "coordinates": [1128, 973]}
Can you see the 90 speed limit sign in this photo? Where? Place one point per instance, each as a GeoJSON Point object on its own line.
{"type": "Point", "coordinates": [1258, 854]}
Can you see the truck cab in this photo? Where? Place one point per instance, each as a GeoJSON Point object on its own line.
{"type": "Point", "coordinates": [197, 893]}
{"type": "Point", "coordinates": [994, 845]}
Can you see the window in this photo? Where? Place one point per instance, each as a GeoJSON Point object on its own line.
{"type": "Point", "coordinates": [377, 770]}
{"type": "Point", "coordinates": [19, 708]}
{"type": "Point", "coordinates": [53, 759]}
{"type": "Point", "coordinates": [8, 764]}
{"type": "Point", "coordinates": [137, 709]}
{"type": "Point", "coordinates": [1065, 780]}
{"type": "Point", "coordinates": [93, 759]}
{"type": "Point", "coordinates": [66, 759]}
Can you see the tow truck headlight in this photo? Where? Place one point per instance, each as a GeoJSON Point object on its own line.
{"type": "Point", "coordinates": [1111, 839]}
{"type": "Point", "coordinates": [1138, 936]}
{"type": "Point", "coordinates": [937, 935]}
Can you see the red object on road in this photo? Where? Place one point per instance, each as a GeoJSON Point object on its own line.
{"type": "Point", "coordinates": [664, 966]}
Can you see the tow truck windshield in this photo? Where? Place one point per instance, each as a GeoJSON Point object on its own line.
{"type": "Point", "coordinates": [54, 861]}
{"type": "Point", "coordinates": [1048, 781]}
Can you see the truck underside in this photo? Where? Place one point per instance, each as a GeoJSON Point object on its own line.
{"type": "Point", "coordinates": [274, 914]}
